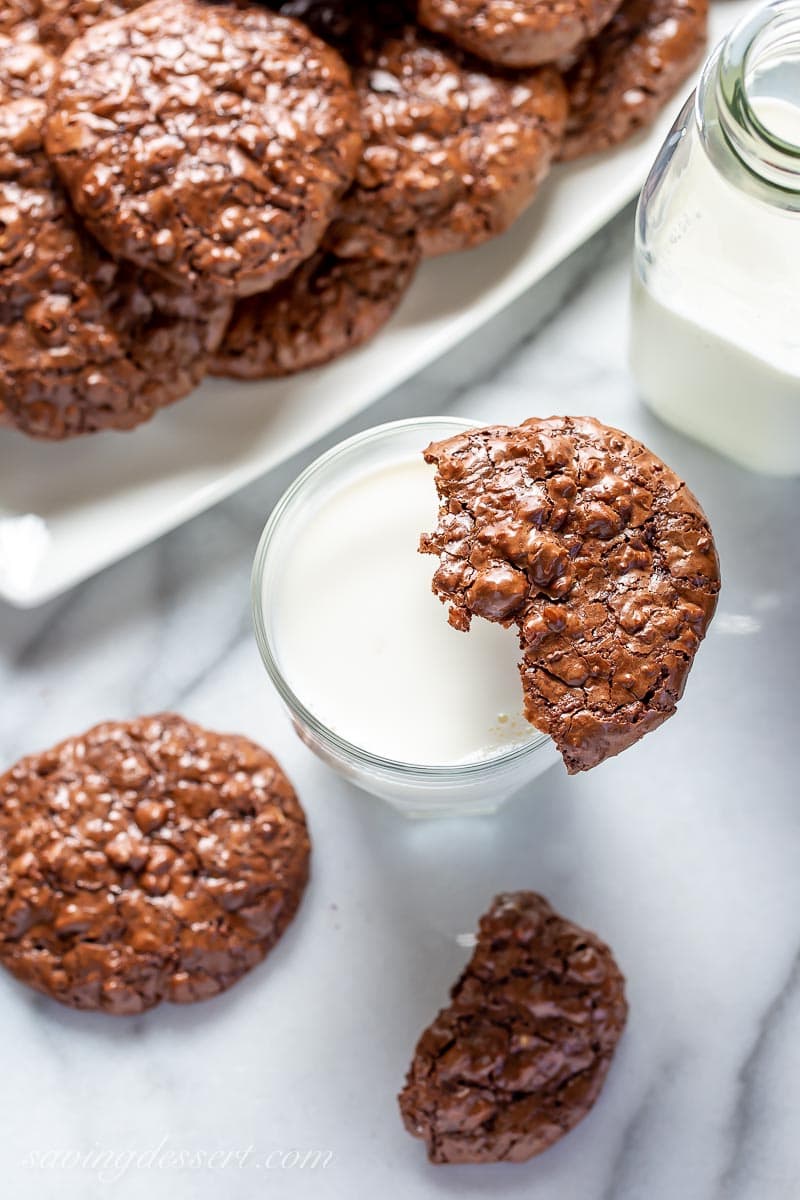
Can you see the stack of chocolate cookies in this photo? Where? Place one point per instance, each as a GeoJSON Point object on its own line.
{"type": "Point", "coordinates": [191, 187]}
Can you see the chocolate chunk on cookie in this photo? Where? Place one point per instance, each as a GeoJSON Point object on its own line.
{"type": "Point", "coordinates": [26, 69]}
{"type": "Point", "coordinates": [628, 73]}
{"type": "Point", "coordinates": [521, 1053]}
{"type": "Point", "coordinates": [518, 33]}
{"type": "Point", "coordinates": [206, 142]}
{"type": "Point", "coordinates": [55, 23]}
{"type": "Point", "coordinates": [453, 152]}
{"type": "Point", "coordinates": [147, 860]}
{"type": "Point", "coordinates": [328, 306]}
{"type": "Point", "coordinates": [598, 553]}
{"type": "Point", "coordinates": [59, 22]}
{"type": "Point", "coordinates": [86, 344]}
{"type": "Point", "coordinates": [18, 19]}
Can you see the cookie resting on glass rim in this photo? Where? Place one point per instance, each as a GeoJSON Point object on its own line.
{"type": "Point", "coordinates": [596, 552]}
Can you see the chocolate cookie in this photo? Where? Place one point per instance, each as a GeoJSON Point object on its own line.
{"type": "Point", "coordinates": [147, 860]}
{"type": "Point", "coordinates": [207, 142]}
{"type": "Point", "coordinates": [520, 1054]}
{"type": "Point", "coordinates": [85, 344]}
{"type": "Point", "coordinates": [627, 74]}
{"type": "Point", "coordinates": [518, 33]}
{"type": "Point", "coordinates": [26, 69]}
{"type": "Point", "coordinates": [453, 153]}
{"type": "Point", "coordinates": [328, 306]}
{"type": "Point", "coordinates": [597, 552]}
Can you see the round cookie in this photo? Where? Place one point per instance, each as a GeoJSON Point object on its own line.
{"type": "Point", "coordinates": [518, 33]}
{"type": "Point", "coordinates": [147, 860]}
{"type": "Point", "coordinates": [453, 153]}
{"type": "Point", "coordinates": [599, 555]}
{"type": "Point", "coordinates": [207, 142]}
{"type": "Point", "coordinates": [85, 343]}
{"type": "Point", "coordinates": [26, 69]}
{"type": "Point", "coordinates": [328, 306]}
{"type": "Point", "coordinates": [625, 76]}
{"type": "Point", "coordinates": [521, 1053]}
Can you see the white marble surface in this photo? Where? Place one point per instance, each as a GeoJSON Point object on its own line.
{"type": "Point", "coordinates": [683, 853]}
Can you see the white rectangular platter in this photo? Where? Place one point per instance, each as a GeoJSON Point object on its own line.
{"type": "Point", "coordinates": [68, 510]}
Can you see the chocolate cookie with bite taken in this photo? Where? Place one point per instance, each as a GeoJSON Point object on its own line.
{"type": "Point", "coordinates": [521, 1053]}
{"type": "Point", "coordinates": [146, 860]}
{"type": "Point", "coordinates": [598, 554]}
{"type": "Point", "coordinates": [206, 142]}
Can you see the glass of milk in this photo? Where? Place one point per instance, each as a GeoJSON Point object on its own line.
{"type": "Point", "coordinates": [715, 338]}
{"type": "Point", "coordinates": [374, 679]}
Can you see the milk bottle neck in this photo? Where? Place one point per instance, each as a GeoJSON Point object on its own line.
{"type": "Point", "coordinates": [748, 105]}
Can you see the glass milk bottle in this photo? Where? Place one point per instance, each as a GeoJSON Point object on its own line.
{"type": "Point", "coordinates": [715, 335]}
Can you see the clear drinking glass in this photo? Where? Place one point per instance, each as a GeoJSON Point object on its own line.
{"type": "Point", "coordinates": [415, 789]}
{"type": "Point", "coordinates": [715, 335]}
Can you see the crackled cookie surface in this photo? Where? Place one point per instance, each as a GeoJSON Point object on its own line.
{"type": "Point", "coordinates": [520, 1054]}
{"type": "Point", "coordinates": [144, 861]}
{"type": "Point", "coordinates": [629, 72]}
{"type": "Point", "coordinates": [207, 142]}
{"type": "Point", "coordinates": [518, 33]}
{"type": "Point", "coordinates": [328, 306]}
{"type": "Point", "coordinates": [55, 23]}
{"type": "Point", "coordinates": [86, 343]}
{"type": "Point", "coordinates": [453, 152]}
{"type": "Point", "coordinates": [600, 556]}
{"type": "Point", "coordinates": [26, 69]}
{"type": "Point", "coordinates": [18, 19]}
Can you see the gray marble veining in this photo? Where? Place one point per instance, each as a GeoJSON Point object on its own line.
{"type": "Point", "coordinates": [683, 853]}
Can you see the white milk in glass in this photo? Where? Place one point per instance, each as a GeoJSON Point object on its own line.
{"type": "Point", "coordinates": [365, 643]}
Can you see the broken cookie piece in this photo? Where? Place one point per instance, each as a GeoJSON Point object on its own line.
{"type": "Point", "coordinates": [598, 553]}
{"type": "Point", "coordinates": [520, 1054]}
